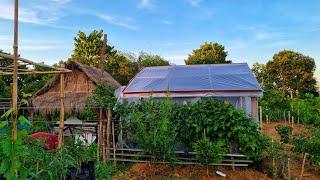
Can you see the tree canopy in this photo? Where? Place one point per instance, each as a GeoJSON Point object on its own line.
{"type": "Point", "coordinates": [288, 71]}
{"type": "Point", "coordinates": [148, 60]}
{"type": "Point", "coordinates": [87, 50]}
{"type": "Point", "coordinates": [208, 53]}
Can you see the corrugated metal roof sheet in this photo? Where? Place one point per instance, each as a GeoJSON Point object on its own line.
{"type": "Point", "coordinates": [208, 77]}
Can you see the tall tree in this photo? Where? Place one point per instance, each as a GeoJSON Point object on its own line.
{"type": "Point", "coordinates": [208, 53]}
{"type": "Point", "coordinates": [87, 48]}
{"type": "Point", "coordinates": [292, 71]}
{"type": "Point", "coordinates": [148, 60]}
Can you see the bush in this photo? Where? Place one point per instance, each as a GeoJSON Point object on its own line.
{"type": "Point", "coordinates": [151, 127]}
{"type": "Point", "coordinates": [158, 126]}
{"type": "Point", "coordinates": [284, 132]}
{"type": "Point", "coordinates": [308, 143]}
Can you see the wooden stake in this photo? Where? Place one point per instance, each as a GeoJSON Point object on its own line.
{"type": "Point", "coordinates": [100, 133]}
{"type": "Point", "coordinates": [61, 121]}
{"type": "Point", "coordinates": [267, 119]}
{"type": "Point", "coordinates": [113, 144]}
{"type": "Point", "coordinates": [109, 116]}
{"type": "Point", "coordinates": [289, 172]}
{"type": "Point", "coordinates": [303, 163]}
{"type": "Point", "coordinates": [289, 116]}
{"type": "Point", "coordinates": [261, 118]}
{"type": "Point", "coordinates": [103, 141]}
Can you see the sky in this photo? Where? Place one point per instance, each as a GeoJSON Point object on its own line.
{"type": "Point", "coordinates": [251, 31]}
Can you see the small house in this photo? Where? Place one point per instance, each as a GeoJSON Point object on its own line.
{"type": "Point", "coordinates": [78, 86]}
{"type": "Point", "coordinates": [234, 83]}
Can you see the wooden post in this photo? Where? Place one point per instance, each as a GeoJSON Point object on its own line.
{"type": "Point", "coordinates": [284, 115]}
{"type": "Point", "coordinates": [267, 119]}
{"type": "Point", "coordinates": [121, 132]}
{"type": "Point", "coordinates": [109, 116]}
{"type": "Point", "coordinates": [261, 118]}
{"type": "Point", "coordinates": [15, 74]}
{"type": "Point", "coordinates": [61, 121]}
{"type": "Point", "coordinates": [113, 144]}
{"type": "Point", "coordinates": [292, 122]}
{"type": "Point", "coordinates": [289, 172]}
{"type": "Point", "coordinates": [303, 163]}
{"type": "Point", "coordinates": [289, 116]}
{"type": "Point", "coordinates": [100, 134]}
{"type": "Point", "coordinates": [103, 140]}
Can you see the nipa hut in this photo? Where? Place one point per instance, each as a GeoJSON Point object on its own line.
{"type": "Point", "coordinates": [78, 86]}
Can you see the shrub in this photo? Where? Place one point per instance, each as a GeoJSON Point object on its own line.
{"type": "Point", "coordinates": [284, 132]}
{"type": "Point", "coordinates": [308, 143]}
{"type": "Point", "coordinates": [158, 126]}
{"type": "Point", "coordinates": [151, 127]}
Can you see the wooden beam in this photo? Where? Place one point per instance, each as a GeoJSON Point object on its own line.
{"type": "Point", "coordinates": [9, 56]}
{"type": "Point", "coordinates": [35, 72]}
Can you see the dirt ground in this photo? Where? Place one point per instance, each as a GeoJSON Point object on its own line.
{"type": "Point", "coordinates": [161, 171]}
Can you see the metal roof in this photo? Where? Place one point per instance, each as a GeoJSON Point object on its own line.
{"type": "Point", "coordinates": [236, 77]}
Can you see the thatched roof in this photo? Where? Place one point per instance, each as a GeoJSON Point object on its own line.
{"type": "Point", "coordinates": [92, 72]}
{"type": "Point", "coordinates": [79, 85]}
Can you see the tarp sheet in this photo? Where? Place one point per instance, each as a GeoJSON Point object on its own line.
{"type": "Point", "coordinates": [215, 77]}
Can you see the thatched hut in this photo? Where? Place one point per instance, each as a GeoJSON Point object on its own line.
{"type": "Point", "coordinates": [79, 85]}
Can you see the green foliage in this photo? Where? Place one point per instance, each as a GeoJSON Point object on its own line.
{"type": "Point", "coordinates": [284, 132]}
{"type": "Point", "coordinates": [208, 152]}
{"type": "Point", "coordinates": [308, 143]}
{"type": "Point", "coordinates": [208, 53]}
{"type": "Point", "coordinates": [87, 48]}
{"type": "Point", "coordinates": [186, 123]}
{"type": "Point", "coordinates": [102, 97]}
{"type": "Point", "coordinates": [151, 127]}
{"type": "Point", "coordinates": [307, 109]}
{"type": "Point", "coordinates": [221, 121]}
{"type": "Point", "coordinates": [274, 104]}
{"type": "Point", "coordinates": [104, 170]}
{"type": "Point", "coordinates": [87, 51]}
{"type": "Point", "coordinates": [148, 60]}
{"type": "Point", "coordinates": [288, 71]}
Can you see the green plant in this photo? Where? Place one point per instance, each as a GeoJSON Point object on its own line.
{"type": "Point", "coordinates": [284, 132]}
{"type": "Point", "coordinates": [308, 143]}
{"type": "Point", "coordinates": [104, 170]}
{"type": "Point", "coordinates": [208, 152]}
{"type": "Point", "coordinates": [151, 127]}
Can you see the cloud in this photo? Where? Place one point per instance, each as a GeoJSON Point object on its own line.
{"type": "Point", "coordinates": [194, 2]}
{"type": "Point", "coordinates": [118, 21]}
{"type": "Point", "coordinates": [35, 12]}
{"type": "Point", "coordinates": [167, 22]}
{"type": "Point", "coordinates": [146, 4]}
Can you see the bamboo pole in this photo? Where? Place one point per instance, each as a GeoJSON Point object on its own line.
{"type": "Point", "coordinates": [103, 142]}
{"type": "Point", "coordinates": [289, 172]}
{"type": "Point", "coordinates": [61, 121]}
{"type": "Point", "coordinates": [15, 73]}
{"type": "Point", "coordinates": [109, 115]}
{"type": "Point", "coordinates": [100, 133]}
{"type": "Point", "coordinates": [113, 144]}
{"type": "Point", "coordinates": [303, 163]}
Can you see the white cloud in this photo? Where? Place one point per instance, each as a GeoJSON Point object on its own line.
{"type": "Point", "coordinates": [146, 4]}
{"type": "Point", "coordinates": [34, 12]}
{"type": "Point", "coordinates": [194, 2]}
{"type": "Point", "coordinates": [167, 22]}
{"type": "Point", "coordinates": [118, 21]}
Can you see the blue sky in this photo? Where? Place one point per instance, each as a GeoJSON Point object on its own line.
{"type": "Point", "coordinates": [251, 31]}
